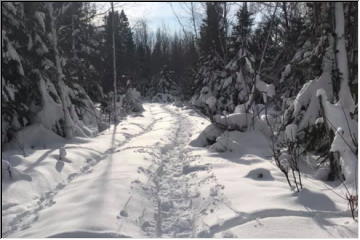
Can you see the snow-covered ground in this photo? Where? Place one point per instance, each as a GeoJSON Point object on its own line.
{"type": "Point", "coordinates": [142, 178]}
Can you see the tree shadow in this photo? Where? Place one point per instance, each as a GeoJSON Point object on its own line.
{"type": "Point", "coordinates": [315, 201]}
{"type": "Point", "coordinates": [59, 166]}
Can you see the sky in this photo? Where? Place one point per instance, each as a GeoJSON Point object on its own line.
{"type": "Point", "coordinates": [157, 14]}
{"type": "Point", "coordinates": [161, 14]}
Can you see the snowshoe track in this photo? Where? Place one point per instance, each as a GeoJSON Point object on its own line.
{"type": "Point", "coordinates": [25, 219]}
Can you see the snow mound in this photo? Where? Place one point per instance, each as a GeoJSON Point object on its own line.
{"type": "Point", "coordinates": [242, 142]}
{"type": "Point", "coordinates": [34, 136]}
{"type": "Point", "coordinates": [9, 173]}
{"type": "Point", "coordinates": [207, 136]}
{"type": "Point", "coordinates": [243, 121]}
{"type": "Point", "coordinates": [260, 174]}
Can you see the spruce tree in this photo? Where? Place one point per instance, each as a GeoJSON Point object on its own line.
{"type": "Point", "coordinates": [125, 48]}
{"type": "Point", "coordinates": [241, 32]}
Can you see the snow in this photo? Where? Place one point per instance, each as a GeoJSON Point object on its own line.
{"type": "Point", "coordinates": [11, 7]}
{"type": "Point", "coordinates": [241, 108]}
{"type": "Point", "coordinates": [348, 159]}
{"type": "Point", "coordinates": [42, 49]}
{"type": "Point", "coordinates": [285, 73]}
{"type": "Point", "coordinates": [12, 54]}
{"type": "Point", "coordinates": [30, 42]}
{"type": "Point", "coordinates": [132, 100]}
{"type": "Point", "coordinates": [10, 90]}
{"type": "Point", "coordinates": [291, 132]}
{"type": "Point", "coordinates": [51, 111]}
{"type": "Point", "coordinates": [211, 102]}
{"type": "Point", "coordinates": [268, 90]}
{"type": "Point", "coordinates": [34, 136]}
{"type": "Point", "coordinates": [243, 121]}
{"type": "Point", "coordinates": [345, 128]}
{"type": "Point", "coordinates": [342, 60]}
{"type": "Point", "coordinates": [227, 82]}
{"type": "Point", "coordinates": [40, 17]}
{"type": "Point", "coordinates": [233, 141]}
{"type": "Point", "coordinates": [62, 153]}
{"type": "Point", "coordinates": [306, 98]}
{"type": "Point", "coordinates": [142, 179]}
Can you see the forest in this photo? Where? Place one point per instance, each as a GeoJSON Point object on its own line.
{"type": "Point", "coordinates": [242, 99]}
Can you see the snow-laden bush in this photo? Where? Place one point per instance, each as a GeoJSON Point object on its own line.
{"type": "Point", "coordinates": [131, 102]}
{"type": "Point", "coordinates": [205, 100]}
{"type": "Point", "coordinates": [76, 109]}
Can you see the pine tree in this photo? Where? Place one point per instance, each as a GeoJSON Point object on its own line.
{"type": "Point", "coordinates": [241, 32]}
{"type": "Point", "coordinates": [142, 58]}
{"type": "Point", "coordinates": [212, 32]}
{"type": "Point", "coordinates": [125, 48]}
{"type": "Point", "coordinates": [212, 56]}
{"type": "Point", "coordinates": [33, 63]}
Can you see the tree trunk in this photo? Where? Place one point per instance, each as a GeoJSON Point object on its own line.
{"type": "Point", "coordinates": [114, 60]}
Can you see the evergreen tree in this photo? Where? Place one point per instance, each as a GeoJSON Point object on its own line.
{"type": "Point", "coordinates": [125, 48]}
{"type": "Point", "coordinates": [241, 32]}
{"type": "Point", "coordinates": [33, 63]}
{"type": "Point", "coordinates": [212, 32]}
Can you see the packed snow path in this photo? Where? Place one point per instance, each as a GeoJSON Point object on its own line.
{"type": "Point", "coordinates": [141, 178]}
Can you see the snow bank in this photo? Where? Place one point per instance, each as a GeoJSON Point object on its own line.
{"type": "Point", "coordinates": [207, 136]}
{"type": "Point", "coordinates": [9, 173]}
{"type": "Point", "coordinates": [243, 121]}
{"type": "Point", "coordinates": [242, 142]}
{"type": "Point", "coordinates": [34, 136]}
{"type": "Point", "coordinates": [339, 120]}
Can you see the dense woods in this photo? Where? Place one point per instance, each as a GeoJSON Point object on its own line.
{"type": "Point", "coordinates": [295, 61]}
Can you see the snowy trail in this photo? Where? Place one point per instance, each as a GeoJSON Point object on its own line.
{"type": "Point", "coordinates": [25, 219]}
{"type": "Point", "coordinates": [99, 179]}
{"type": "Point", "coordinates": [171, 187]}
{"type": "Point", "coordinates": [143, 179]}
